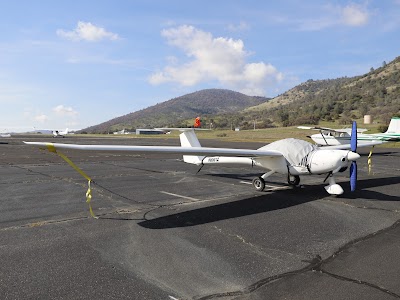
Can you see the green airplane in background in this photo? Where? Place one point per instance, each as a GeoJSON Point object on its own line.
{"type": "Point", "coordinates": [334, 137]}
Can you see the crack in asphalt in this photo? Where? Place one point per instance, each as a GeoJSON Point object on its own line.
{"type": "Point", "coordinates": [53, 177]}
{"type": "Point", "coordinates": [256, 249]}
{"type": "Point", "coordinates": [315, 265]}
{"type": "Point", "coordinates": [42, 223]}
{"type": "Point", "coordinates": [363, 207]}
{"type": "Point", "coordinates": [362, 282]}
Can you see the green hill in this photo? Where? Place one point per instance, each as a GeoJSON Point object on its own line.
{"type": "Point", "coordinates": [175, 112]}
{"type": "Point", "coordinates": [376, 93]}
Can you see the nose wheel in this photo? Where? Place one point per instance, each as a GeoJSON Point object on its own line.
{"type": "Point", "coordinates": [259, 184]}
{"type": "Point", "coordinates": [293, 180]}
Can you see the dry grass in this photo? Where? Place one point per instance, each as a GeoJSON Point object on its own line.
{"type": "Point", "coordinates": [259, 135]}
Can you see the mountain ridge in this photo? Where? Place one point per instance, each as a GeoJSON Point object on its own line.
{"type": "Point", "coordinates": [175, 111]}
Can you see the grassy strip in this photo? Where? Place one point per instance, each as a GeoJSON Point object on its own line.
{"type": "Point", "coordinates": [267, 135]}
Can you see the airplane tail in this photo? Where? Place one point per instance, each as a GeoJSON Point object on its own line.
{"type": "Point", "coordinates": [394, 126]}
{"type": "Point", "coordinates": [189, 139]}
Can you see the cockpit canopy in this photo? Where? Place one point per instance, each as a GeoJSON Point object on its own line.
{"type": "Point", "coordinates": [293, 150]}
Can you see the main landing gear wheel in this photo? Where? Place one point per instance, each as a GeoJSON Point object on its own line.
{"type": "Point", "coordinates": [259, 184]}
{"type": "Point", "coordinates": [294, 180]}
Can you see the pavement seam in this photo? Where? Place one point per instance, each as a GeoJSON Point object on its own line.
{"type": "Point", "coordinates": [362, 282]}
{"type": "Point", "coordinates": [315, 265]}
{"type": "Point", "coordinates": [255, 286]}
{"type": "Point", "coordinates": [42, 223]}
{"type": "Point", "coordinates": [347, 246]}
{"type": "Point", "coordinates": [362, 207]}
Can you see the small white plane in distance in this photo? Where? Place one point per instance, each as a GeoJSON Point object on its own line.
{"type": "Point", "coordinates": [333, 137]}
{"type": "Point", "coordinates": [55, 133]}
{"type": "Point", "coordinates": [5, 135]}
{"type": "Point", "coordinates": [290, 157]}
{"type": "Point", "coordinates": [62, 133]}
{"type": "Point", "coordinates": [6, 132]}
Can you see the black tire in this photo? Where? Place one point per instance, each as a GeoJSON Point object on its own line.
{"type": "Point", "coordinates": [295, 181]}
{"type": "Point", "coordinates": [259, 184]}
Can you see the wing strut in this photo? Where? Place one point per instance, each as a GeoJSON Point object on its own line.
{"type": "Point", "coordinates": [324, 138]}
{"type": "Point", "coordinates": [202, 165]}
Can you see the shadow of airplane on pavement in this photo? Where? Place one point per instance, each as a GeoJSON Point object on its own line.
{"type": "Point", "coordinates": [267, 202]}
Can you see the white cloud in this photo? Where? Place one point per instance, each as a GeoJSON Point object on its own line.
{"type": "Point", "coordinates": [64, 111]}
{"type": "Point", "coordinates": [42, 118]}
{"type": "Point", "coordinates": [352, 15]}
{"type": "Point", "coordinates": [355, 15]}
{"type": "Point", "coordinates": [86, 31]}
{"type": "Point", "coordinates": [214, 59]}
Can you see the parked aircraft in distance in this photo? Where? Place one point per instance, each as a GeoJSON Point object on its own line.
{"type": "Point", "coordinates": [5, 135]}
{"type": "Point", "coordinates": [8, 131]}
{"type": "Point", "coordinates": [55, 133]}
{"type": "Point", "coordinates": [290, 157]}
{"type": "Point", "coordinates": [333, 137]}
{"type": "Point", "coordinates": [62, 133]}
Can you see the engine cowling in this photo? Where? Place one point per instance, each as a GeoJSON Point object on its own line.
{"type": "Point", "coordinates": [325, 161]}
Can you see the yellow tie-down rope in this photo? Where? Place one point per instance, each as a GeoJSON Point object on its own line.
{"type": "Point", "coordinates": [51, 148]}
{"type": "Point", "coordinates": [370, 161]}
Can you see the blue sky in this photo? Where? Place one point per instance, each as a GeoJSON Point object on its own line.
{"type": "Point", "coordinates": [76, 64]}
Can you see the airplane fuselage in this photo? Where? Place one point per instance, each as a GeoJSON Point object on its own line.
{"type": "Point", "coordinates": [317, 162]}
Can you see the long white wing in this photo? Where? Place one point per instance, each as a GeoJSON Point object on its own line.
{"type": "Point", "coordinates": [348, 146]}
{"type": "Point", "coordinates": [344, 130]}
{"type": "Point", "coordinates": [163, 149]}
{"type": "Point", "coordinates": [323, 128]}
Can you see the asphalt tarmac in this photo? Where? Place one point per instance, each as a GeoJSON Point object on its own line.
{"type": "Point", "coordinates": [167, 232]}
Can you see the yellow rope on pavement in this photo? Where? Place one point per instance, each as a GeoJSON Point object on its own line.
{"type": "Point", "coordinates": [51, 148]}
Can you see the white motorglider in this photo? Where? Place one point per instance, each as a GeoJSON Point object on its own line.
{"type": "Point", "coordinates": [290, 157]}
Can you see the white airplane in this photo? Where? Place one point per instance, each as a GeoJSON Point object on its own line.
{"type": "Point", "coordinates": [290, 157]}
{"type": "Point", "coordinates": [333, 137]}
{"type": "Point", "coordinates": [57, 133]}
{"type": "Point", "coordinates": [5, 135]}
{"type": "Point", "coordinates": [6, 132]}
